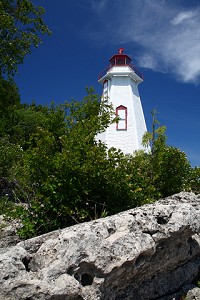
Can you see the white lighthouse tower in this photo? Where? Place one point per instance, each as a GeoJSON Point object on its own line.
{"type": "Point", "coordinates": [120, 85]}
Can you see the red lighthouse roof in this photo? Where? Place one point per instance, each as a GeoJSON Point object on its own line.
{"type": "Point", "coordinates": [118, 60]}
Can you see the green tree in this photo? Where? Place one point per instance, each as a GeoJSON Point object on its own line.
{"type": "Point", "coordinates": [66, 176]}
{"type": "Point", "coordinates": [81, 179]}
{"type": "Point", "coordinates": [29, 119]}
{"type": "Point", "coordinates": [195, 180]}
{"type": "Point", "coordinates": [170, 168]}
{"type": "Point", "coordinates": [139, 176]}
{"type": "Point", "coordinates": [59, 171]}
{"type": "Point", "coordinates": [20, 27]}
{"type": "Point", "coordinates": [9, 154]}
{"type": "Point", "coordinates": [172, 173]}
{"type": "Point", "coordinates": [9, 102]}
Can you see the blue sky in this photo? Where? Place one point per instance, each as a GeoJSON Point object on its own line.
{"type": "Point", "coordinates": [161, 36]}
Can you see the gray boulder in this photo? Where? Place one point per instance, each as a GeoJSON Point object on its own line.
{"type": "Point", "coordinates": [150, 252]}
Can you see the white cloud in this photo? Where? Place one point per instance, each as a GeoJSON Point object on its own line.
{"type": "Point", "coordinates": [168, 35]}
{"type": "Point", "coordinates": [148, 61]}
{"type": "Point", "coordinates": [184, 16]}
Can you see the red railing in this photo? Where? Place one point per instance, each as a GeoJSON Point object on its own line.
{"type": "Point", "coordinates": [103, 73]}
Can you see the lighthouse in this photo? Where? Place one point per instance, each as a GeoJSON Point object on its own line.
{"type": "Point", "coordinates": [120, 82]}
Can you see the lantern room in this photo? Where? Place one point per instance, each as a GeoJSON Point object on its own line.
{"type": "Point", "coordinates": [120, 59]}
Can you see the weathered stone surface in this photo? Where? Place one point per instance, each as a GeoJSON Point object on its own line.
{"type": "Point", "coordinates": [8, 233]}
{"type": "Point", "coordinates": [193, 294]}
{"type": "Point", "coordinates": [150, 252]}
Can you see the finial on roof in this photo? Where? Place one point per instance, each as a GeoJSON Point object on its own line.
{"type": "Point", "coordinates": [120, 50]}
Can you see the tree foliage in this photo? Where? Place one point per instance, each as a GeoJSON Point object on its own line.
{"type": "Point", "coordinates": [9, 101]}
{"type": "Point", "coordinates": [21, 25]}
{"type": "Point", "coordinates": [195, 180]}
{"type": "Point", "coordinates": [170, 168]}
{"type": "Point", "coordinates": [65, 176]}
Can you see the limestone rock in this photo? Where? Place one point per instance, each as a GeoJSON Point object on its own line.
{"type": "Point", "coordinates": [150, 252]}
{"type": "Point", "coordinates": [8, 232]}
{"type": "Point", "coordinates": [193, 294]}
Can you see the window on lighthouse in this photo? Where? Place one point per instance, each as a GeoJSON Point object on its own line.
{"type": "Point", "coordinates": [105, 86]}
{"type": "Point", "coordinates": [121, 113]}
{"type": "Point", "coordinates": [105, 89]}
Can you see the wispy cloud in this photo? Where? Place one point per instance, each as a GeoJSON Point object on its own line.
{"type": "Point", "coordinates": [185, 16]}
{"type": "Point", "coordinates": [168, 35]}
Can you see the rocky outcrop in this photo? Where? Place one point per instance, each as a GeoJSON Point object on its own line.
{"type": "Point", "coordinates": [151, 252]}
